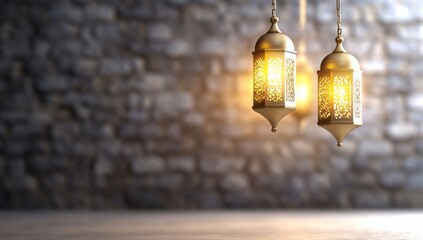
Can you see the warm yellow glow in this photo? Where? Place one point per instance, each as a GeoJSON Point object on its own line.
{"type": "Point", "coordinates": [304, 89]}
{"type": "Point", "coordinates": [324, 97]}
{"type": "Point", "coordinates": [342, 97]}
{"type": "Point", "coordinates": [259, 81]}
{"type": "Point", "coordinates": [303, 92]}
{"type": "Point", "coordinates": [274, 80]}
{"type": "Point", "coordinates": [341, 93]}
{"type": "Point", "coordinates": [290, 79]}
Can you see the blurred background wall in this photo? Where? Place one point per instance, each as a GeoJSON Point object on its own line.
{"type": "Point", "coordinates": [147, 104]}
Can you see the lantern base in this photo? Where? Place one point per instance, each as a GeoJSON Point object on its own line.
{"type": "Point", "coordinates": [273, 114]}
{"type": "Point", "coordinates": [339, 130]}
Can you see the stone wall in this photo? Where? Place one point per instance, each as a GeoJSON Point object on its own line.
{"type": "Point", "coordinates": [147, 104]}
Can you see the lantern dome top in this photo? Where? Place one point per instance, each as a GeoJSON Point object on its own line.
{"type": "Point", "coordinates": [274, 39]}
{"type": "Point", "coordinates": [340, 59]}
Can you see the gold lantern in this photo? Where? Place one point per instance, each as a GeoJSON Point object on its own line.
{"type": "Point", "coordinates": [274, 61]}
{"type": "Point", "coordinates": [339, 90]}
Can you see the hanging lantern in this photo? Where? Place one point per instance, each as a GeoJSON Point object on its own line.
{"type": "Point", "coordinates": [339, 90]}
{"type": "Point", "coordinates": [305, 74]}
{"type": "Point", "coordinates": [274, 74]}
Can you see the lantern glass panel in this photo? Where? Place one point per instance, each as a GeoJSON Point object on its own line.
{"type": "Point", "coordinates": [275, 76]}
{"type": "Point", "coordinates": [290, 81]}
{"type": "Point", "coordinates": [324, 97]}
{"type": "Point", "coordinates": [357, 97]}
{"type": "Point", "coordinates": [342, 95]}
{"type": "Point", "coordinates": [259, 81]}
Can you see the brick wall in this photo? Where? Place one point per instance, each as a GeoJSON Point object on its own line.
{"type": "Point", "coordinates": [147, 104]}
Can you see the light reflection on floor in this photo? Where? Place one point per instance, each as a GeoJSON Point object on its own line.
{"type": "Point", "coordinates": [229, 225]}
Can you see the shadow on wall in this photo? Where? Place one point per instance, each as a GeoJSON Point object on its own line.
{"type": "Point", "coordinates": [147, 104]}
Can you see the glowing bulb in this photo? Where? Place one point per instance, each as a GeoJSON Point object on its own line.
{"type": "Point", "coordinates": [274, 87]}
{"type": "Point", "coordinates": [342, 92]}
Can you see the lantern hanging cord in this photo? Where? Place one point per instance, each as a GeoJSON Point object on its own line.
{"type": "Point", "coordinates": [273, 8]}
{"type": "Point", "coordinates": [338, 14]}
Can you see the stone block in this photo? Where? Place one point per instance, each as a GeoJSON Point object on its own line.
{"type": "Point", "coordinates": [181, 163]}
{"type": "Point", "coordinates": [51, 83]}
{"type": "Point", "coordinates": [159, 31]}
{"type": "Point", "coordinates": [412, 164]}
{"type": "Point", "coordinates": [401, 131]}
{"type": "Point", "coordinates": [179, 48]}
{"type": "Point", "coordinates": [110, 66]}
{"type": "Point", "coordinates": [67, 48]}
{"type": "Point", "coordinates": [371, 199]}
{"type": "Point", "coordinates": [375, 148]}
{"type": "Point", "coordinates": [169, 182]}
{"type": "Point", "coordinates": [57, 31]}
{"type": "Point", "coordinates": [194, 119]}
{"type": "Point", "coordinates": [393, 179]}
{"type": "Point", "coordinates": [179, 2]}
{"type": "Point", "coordinates": [407, 199]}
{"type": "Point", "coordinates": [339, 164]}
{"type": "Point", "coordinates": [86, 67]}
{"type": "Point", "coordinates": [374, 66]}
{"type": "Point", "coordinates": [212, 47]}
{"type": "Point", "coordinates": [149, 131]}
{"type": "Point", "coordinates": [107, 32]}
{"type": "Point", "coordinates": [235, 182]}
{"type": "Point", "coordinates": [415, 102]}
{"type": "Point", "coordinates": [319, 182]}
{"type": "Point", "coordinates": [172, 104]}
{"type": "Point", "coordinates": [237, 64]}
{"type": "Point", "coordinates": [103, 167]}
{"type": "Point", "coordinates": [303, 148]}
{"type": "Point", "coordinates": [15, 48]}
{"type": "Point", "coordinates": [415, 181]}
{"type": "Point", "coordinates": [269, 183]}
{"type": "Point", "coordinates": [67, 12]}
{"type": "Point", "coordinates": [140, 65]}
{"type": "Point", "coordinates": [129, 131]}
{"type": "Point", "coordinates": [220, 164]}
{"type": "Point", "coordinates": [394, 12]}
{"type": "Point", "coordinates": [42, 48]}
{"type": "Point", "coordinates": [96, 12]}
{"type": "Point", "coordinates": [147, 165]}
{"type": "Point", "coordinates": [210, 200]}
{"type": "Point", "coordinates": [239, 200]}
{"type": "Point", "coordinates": [275, 166]}
{"type": "Point", "coordinates": [153, 82]}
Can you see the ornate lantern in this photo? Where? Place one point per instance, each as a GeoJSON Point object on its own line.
{"type": "Point", "coordinates": [339, 90]}
{"type": "Point", "coordinates": [274, 74]}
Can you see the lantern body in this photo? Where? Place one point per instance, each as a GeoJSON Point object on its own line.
{"type": "Point", "coordinates": [339, 93]}
{"type": "Point", "coordinates": [274, 75]}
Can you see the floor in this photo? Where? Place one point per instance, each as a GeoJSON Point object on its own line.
{"type": "Point", "coordinates": [231, 225]}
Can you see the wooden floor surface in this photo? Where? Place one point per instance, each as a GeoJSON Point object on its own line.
{"type": "Point", "coordinates": [228, 225]}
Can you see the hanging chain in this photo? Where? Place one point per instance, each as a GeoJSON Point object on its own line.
{"type": "Point", "coordinates": [273, 8]}
{"type": "Point", "coordinates": [338, 14]}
